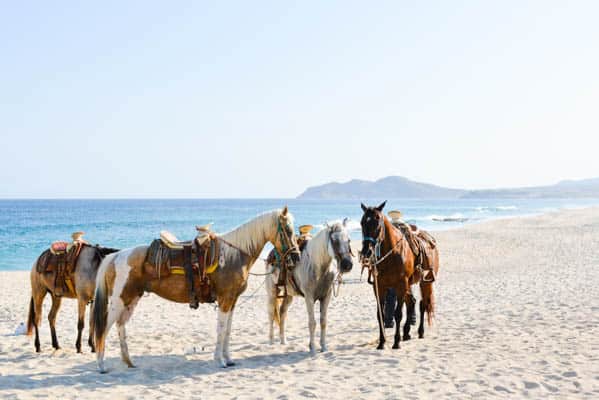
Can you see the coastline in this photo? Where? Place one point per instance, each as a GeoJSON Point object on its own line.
{"type": "Point", "coordinates": [517, 316]}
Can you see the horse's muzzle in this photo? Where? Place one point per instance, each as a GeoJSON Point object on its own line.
{"type": "Point", "coordinates": [366, 250]}
{"type": "Point", "coordinates": [346, 264]}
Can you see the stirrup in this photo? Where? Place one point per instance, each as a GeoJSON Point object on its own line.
{"type": "Point", "coordinates": [425, 275]}
{"type": "Point", "coordinates": [281, 288]}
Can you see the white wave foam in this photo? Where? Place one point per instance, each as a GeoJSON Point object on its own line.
{"type": "Point", "coordinates": [496, 208]}
{"type": "Point", "coordinates": [456, 217]}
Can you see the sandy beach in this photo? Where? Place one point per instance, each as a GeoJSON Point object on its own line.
{"type": "Point", "coordinates": [517, 316]}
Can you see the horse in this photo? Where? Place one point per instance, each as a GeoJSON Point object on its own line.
{"type": "Point", "coordinates": [84, 284]}
{"type": "Point", "coordinates": [393, 265]}
{"type": "Point", "coordinates": [323, 259]}
{"type": "Point", "coordinates": [122, 280]}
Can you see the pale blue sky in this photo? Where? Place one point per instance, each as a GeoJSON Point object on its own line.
{"type": "Point", "coordinates": [249, 99]}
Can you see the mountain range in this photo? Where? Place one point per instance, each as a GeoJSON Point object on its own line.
{"type": "Point", "coordinates": [400, 187]}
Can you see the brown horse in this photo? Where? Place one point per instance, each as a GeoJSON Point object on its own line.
{"type": "Point", "coordinates": [123, 278]}
{"type": "Point", "coordinates": [84, 284]}
{"type": "Point", "coordinates": [392, 263]}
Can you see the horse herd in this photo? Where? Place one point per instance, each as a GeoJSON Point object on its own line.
{"type": "Point", "coordinates": [114, 280]}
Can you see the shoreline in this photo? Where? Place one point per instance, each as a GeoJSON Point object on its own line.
{"type": "Point", "coordinates": [517, 316]}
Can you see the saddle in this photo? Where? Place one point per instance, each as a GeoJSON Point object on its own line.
{"type": "Point", "coordinates": [61, 259]}
{"type": "Point", "coordinates": [196, 259]}
{"type": "Point", "coordinates": [422, 244]}
{"type": "Point", "coordinates": [286, 271]}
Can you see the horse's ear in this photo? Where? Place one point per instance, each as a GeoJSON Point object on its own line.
{"type": "Point", "coordinates": [381, 206]}
{"type": "Point", "coordinates": [345, 222]}
{"type": "Point", "coordinates": [364, 208]}
{"type": "Point", "coordinates": [285, 210]}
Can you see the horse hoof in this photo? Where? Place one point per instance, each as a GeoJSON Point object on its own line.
{"type": "Point", "coordinates": [380, 347]}
{"type": "Point", "coordinates": [230, 363]}
{"type": "Point", "coordinates": [421, 336]}
{"type": "Point", "coordinates": [324, 349]}
{"type": "Point", "coordinates": [395, 346]}
{"type": "Point", "coordinates": [103, 371]}
{"type": "Point", "coordinates": [406, 337]}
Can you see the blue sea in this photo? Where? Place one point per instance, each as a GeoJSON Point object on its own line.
{"type": "Point", "coordinates": [27, 227]}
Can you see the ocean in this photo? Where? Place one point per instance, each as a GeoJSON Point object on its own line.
{"type": "Point", "coordinates": [27, 227]}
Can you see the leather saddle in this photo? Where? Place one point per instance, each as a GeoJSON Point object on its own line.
{"type": "Point", "coordinates": [61, 258]}
{"type": "Point", "coordinates": [286, 272]}
{"type": "Point", "coordinates": [195, 259]}
{"type": "Point", "coordinates": [422, 244]}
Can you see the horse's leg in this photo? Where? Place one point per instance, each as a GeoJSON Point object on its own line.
{"type": "Point", "coordinates": [410, 315]}
{"type": "Point", "coordinates": [120, 323]}
{"type": "Point", "coordinates": [56, 301]}
{"type": "Point", "coordinates": [380, 317]}
{"type": "Point", "coordinates": [90, 340]}
{"type": "Point", "coordinates": [226, 354]}
{"type": "Point", "coordinates": [421, 326]}
{"type": "Point", "coordinates": [82, 303]}
{"type": "Point", "coordinates": [37, 297]}
{"type": "Point", "coordinates": [283, 316]}
{"type": "Point", "coordinates": [389, 309]}
{"type": "Point", "coordinates": [271, 304]}
{"type": "Point", "coordinates": [311, 323]}
{"type": "Point", "coordinates": [221, 328]}
{"type": "Point", "coordinates": [401, 296]}
{"type": "Point", "coordinates": [324, 305]}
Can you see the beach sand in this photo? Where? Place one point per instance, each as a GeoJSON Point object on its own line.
{"type": "Point", "coordinates": [517, 316]}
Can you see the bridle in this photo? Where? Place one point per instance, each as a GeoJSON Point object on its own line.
{"type": "Point", "coordinates": [378, 242]}
{"type": "Point", "coordinates": [287, 245]}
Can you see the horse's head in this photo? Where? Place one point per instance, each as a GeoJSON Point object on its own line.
{"type": "Point", "coordinates": [285, 241]}
{"type": "Point", "coordinates": [340, 246]}
{"type": "Point", "coordinates": [373, 228]}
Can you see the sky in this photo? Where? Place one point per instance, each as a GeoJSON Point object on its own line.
{"type": "Point", "coordinates": [191, 99]}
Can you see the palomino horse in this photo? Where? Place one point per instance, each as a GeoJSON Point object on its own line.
{"type": "Point", "coordinates": [84, 283]}
{"type": "Point", "coordinates": [387, 253]}
{"type": "Point", "coordinates": [324, 257]}
{"type": "Point", "coordinates": [122, 280]}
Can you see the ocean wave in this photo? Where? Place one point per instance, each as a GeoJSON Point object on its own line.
{"type": "Point", "coordinates": [496, 208]}
{"type": "Point", "coordinates": [456, 217]}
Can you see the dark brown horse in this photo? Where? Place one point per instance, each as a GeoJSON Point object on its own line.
{"type": "Point", "coordinates": [392, 264]}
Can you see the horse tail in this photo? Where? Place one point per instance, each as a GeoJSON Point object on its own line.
{"type": "Point", "coordinates": [430, 308]}
{"type": "Point", "coordinates": [31, 317]}
{"type": "Point", "coordinates": [428, 299]}
{"type": "Point", "coordinates": [100, 310]}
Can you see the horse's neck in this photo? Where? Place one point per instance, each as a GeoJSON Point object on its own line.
{"type": "Point", "coordinates": [252, 236]}
{"type": "Point", "coordinates": [391, 238]}
{"type": "Point", "coordinates": [316, 255]}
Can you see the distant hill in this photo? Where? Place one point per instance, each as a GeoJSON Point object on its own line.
{"type": "Point", "coordinates": [400, 187]}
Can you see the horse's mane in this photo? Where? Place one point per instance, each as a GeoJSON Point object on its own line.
{"type": "Point", "coordinates": [255, 232]}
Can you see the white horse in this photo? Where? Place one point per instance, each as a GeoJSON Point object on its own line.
{"type": "Point", "coordinates": [323, 258]}
{"type": "Point", "coordinates": [123, 278]}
